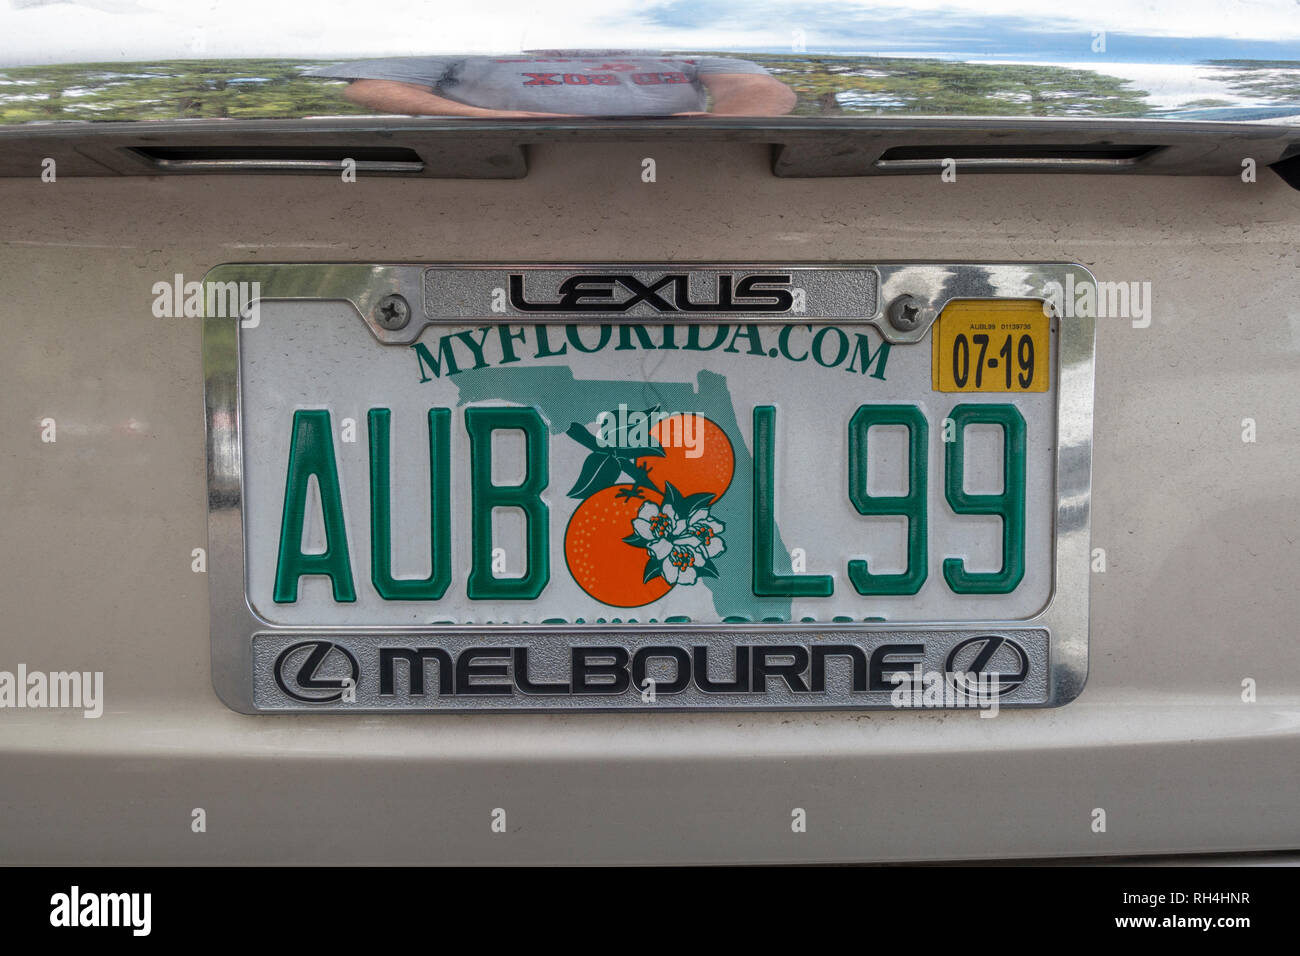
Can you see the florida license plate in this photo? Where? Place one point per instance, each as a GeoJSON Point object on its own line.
{"type": "Point", "coordinates": [647, 487]}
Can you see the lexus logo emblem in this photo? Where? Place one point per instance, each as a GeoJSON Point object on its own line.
{"type": "Point", "coordinates": [316, 672]}
{"type": "Point", "coordinates": [988, 654]}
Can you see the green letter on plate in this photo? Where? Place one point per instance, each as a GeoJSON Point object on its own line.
{"type": "Point", "coordinates": [526, 496]}
{"type": "Point", "coordinates": [1009, 505]}
{"type": "Point", "coordinates": [911, 505]}
{"type": "Point", "coordinates": [311, 452]}
{"type": "Point", "coordinates": [381, 519]}
{"type": "Point", "coordinates": [767, 583]}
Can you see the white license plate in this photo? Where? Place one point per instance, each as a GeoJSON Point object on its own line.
{"type": "Point", "coordinates": [647, 487]}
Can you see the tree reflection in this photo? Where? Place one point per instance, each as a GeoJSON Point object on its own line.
{"type": "Point", "coordinates": [823, 86]}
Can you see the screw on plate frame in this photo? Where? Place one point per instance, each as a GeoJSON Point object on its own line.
{"type": "Point", "coordinates": [392, 312]}
{"type": "Point", "coordinates": [905, 313]}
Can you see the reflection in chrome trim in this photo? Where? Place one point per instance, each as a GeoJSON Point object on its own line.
{"type": "Point", "coordinates": [842, 58]}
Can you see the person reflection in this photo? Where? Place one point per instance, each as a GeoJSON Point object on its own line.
{"type": "Point", "coordinates": [554, 83]}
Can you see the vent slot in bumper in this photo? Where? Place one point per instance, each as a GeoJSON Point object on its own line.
{"type": "Point", "coordinates": [394, 160]}
{"type": "Point", "coordinates": [996, 156]}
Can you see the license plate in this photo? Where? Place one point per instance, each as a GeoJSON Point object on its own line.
{"type": "Point", "coordinates": [609, 486]}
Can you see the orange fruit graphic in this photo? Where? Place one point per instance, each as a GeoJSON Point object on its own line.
{"type": "Point", "coordinates": [710, 471]}
{"type": "Point", "coordinates": [603, 564]}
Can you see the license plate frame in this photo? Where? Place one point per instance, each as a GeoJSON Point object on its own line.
{"type": "Point", "coordinates": [255, 663]}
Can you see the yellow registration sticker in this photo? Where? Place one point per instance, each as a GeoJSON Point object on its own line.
{"type": "Point", "coordinates": [991, 345]}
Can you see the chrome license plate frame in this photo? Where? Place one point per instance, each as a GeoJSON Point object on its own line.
{"type": "Point", "coordinates": [264, 667]}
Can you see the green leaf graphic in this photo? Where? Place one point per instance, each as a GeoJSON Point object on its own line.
{"type": "Point", "coordinates": [653, 569]}
{"type": "Point", "coordinates": [695, 501]}
{"type": "Point", "coordinates": [598, 472]}
{"type": "Point", "coordinates": [585, 438]}
{"type": "Point", "coordinates": [639, 451]}
{"type": "Point", "coordinates": [673, 497]}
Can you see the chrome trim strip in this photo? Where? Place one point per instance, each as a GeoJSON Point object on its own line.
{"type": "Point", "coordinates": [496, 149]}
